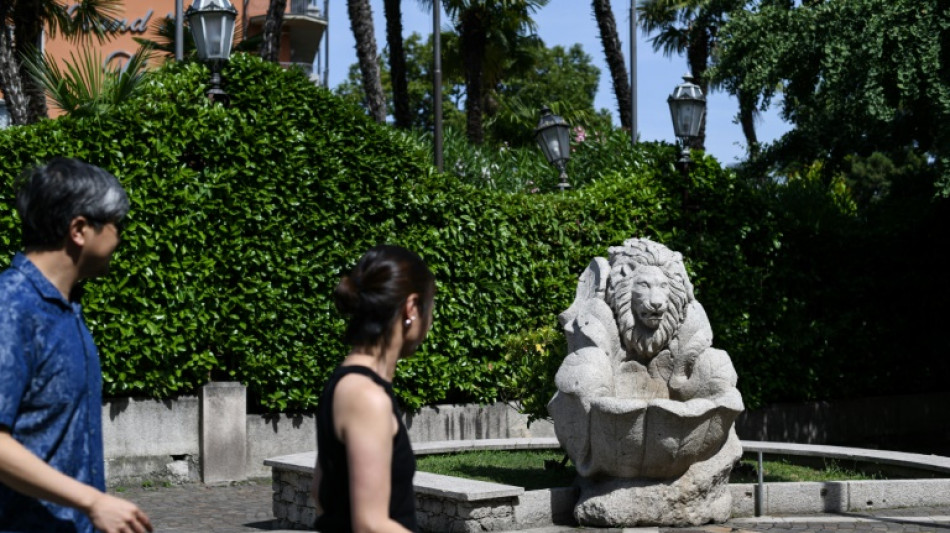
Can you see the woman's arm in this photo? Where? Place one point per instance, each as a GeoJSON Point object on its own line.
{"type": "Point", "coordinates": [365, 423]}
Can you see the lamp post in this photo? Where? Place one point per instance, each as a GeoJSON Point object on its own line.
{"type": "Point", "coordinates": [687, 108]}
{"type": "Point", "coordinates": [212, 26]}
{"type": "Point", "coordinates": [554, 137]}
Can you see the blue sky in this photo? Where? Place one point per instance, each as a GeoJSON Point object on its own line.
{"type": "Point", "coordinates": [565, 22]}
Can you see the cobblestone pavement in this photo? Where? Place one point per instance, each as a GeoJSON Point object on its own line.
{"type": "Point", "coordinates": [246, 508]}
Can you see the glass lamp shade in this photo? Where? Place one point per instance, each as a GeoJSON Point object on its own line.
{"type": "Point", "coordinates": [687, 108]}
{"type": "Point", "coordinates": [212, 25]}
{"type": "Point", "coordinates": [554, 137]}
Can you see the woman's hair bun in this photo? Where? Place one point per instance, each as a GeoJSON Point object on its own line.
{"type": "Point", "coordinates": [347, 295]}
{"type": "Point", "coordinates": [373, 291]}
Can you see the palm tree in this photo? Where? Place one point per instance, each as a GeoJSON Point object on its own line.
{"type": "Point", "coordinates": [270, 45]}
{"type": "Point", "coordinates": [397, 64]}
{"type": "Point", "coordinates": [361, 21]}
{"type": "Point", "coordinates": [618, 69]}
{"type": "Point", "coordinates": [690, 27]}
{"type": "Point", "coordinates": [477, 23]}
{"type": "Point", "coordinates": [85, 88]}
{"type": "Point", "coordinates": [28, 18]}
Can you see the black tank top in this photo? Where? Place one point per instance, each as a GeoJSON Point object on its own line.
{"type": "Point", "coordinates": [335, 484]}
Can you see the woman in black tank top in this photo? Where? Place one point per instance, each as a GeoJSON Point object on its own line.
{"type": "Point", "coordinates": [365, 464]}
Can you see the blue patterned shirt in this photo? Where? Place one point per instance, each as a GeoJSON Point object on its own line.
{"type": "Point", "coordinates": [50, 394]}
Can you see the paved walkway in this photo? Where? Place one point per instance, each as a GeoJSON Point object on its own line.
{"type": "Point", "coordinates": [246, 508]}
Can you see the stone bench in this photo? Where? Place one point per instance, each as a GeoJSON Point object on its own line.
{"type": "Point", "coordinates": [449, 504]}
{"type": "Point", "coordinates": [443, 503]}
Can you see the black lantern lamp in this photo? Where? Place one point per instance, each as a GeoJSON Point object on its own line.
{"type": "Point", "coordinates": [212, 25]}
{"type": "Point", "coordinates": [554, 137]}
{"type": "Point", "coordinates": [687, 107]}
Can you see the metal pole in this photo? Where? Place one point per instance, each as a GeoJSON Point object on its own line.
{"type": "Point", "coordinates": [758, 490]}
{"type": "Point", "coordinates": [326, 51]}
{"type": "Point", "coordinates": [179, 31]}
{"type": "Point", "coordinates": [437, 82]}
{"type": "Point", "coordinates": [633, 72]}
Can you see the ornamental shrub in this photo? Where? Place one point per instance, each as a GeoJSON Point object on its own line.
{"type": "Point", "coordinates": [244, 217]}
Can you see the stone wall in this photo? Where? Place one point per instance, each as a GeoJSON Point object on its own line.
{"type": "Point", "coordinates": [440, 514]}
{"type": "Point", "coordinates": [864, 422]}
{"type": "Point", "coordinates": [294, 508]}
{"type": "Point", "coordinates": [159, 440]}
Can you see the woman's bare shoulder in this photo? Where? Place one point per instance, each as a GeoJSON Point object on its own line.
{"type": "Point", "coordinates": [359, 393]}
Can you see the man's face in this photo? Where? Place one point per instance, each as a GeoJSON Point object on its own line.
{"type": "Point", "coordinates": [651, 294]}
{"type": "Point", "coordinates": [100, 243]}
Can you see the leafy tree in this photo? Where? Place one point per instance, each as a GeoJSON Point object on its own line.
{"type": "Point", "coordinates": [22, 23]}
{"type": "Point", "coordinates": [565, 79]}
{"type": "Point", "coordinates": [418, 85]}
{"type": "Point", "coordinates": [618, 69]}
{"type": "Point", "coordinates": [856, 77]}
{"type": "Point", "coordinates": [690, 27]}
{"type": "Point", "coordinates": [361, 21]}
{"type": "Point", "coordinates": [491, 33]}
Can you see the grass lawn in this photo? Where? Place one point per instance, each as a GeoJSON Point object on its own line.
{"type": "Point", "coordinates": [527, 469]}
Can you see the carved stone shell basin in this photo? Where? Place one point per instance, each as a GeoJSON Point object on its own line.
{"type": "Point", "coordinates": [632, 438]}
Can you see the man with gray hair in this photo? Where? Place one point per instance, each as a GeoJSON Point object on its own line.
{"type": "Point", "coordinates": [52, 475]}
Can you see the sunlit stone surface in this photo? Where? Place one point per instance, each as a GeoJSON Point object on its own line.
{"type": "Point", "coordinates": [645, 405]}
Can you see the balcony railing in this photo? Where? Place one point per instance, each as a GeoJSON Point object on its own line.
{"type": "Point", "coordinates": [305, 7]}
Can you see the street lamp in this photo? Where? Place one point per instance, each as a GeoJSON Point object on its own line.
{"type": "Point", "coordinates": [212, 26]}
{"type": "Point", "coordinates": [687, 107]}
{"type": "Point", "coordinates": [554, 137]}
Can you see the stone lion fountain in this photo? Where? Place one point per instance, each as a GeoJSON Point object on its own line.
{"type": "Point", "coordinates": [645, 406]}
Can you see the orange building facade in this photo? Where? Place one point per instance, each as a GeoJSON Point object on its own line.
{"type": "Point", "coordinates": [302, 34]}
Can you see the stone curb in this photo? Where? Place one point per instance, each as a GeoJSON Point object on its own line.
{"type": "Point", "coordinates": [776, 498]}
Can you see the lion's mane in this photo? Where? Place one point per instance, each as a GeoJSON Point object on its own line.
{"type": "Point", "coordinates": [641, 342]}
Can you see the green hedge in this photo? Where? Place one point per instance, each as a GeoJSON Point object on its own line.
{"type": "Point", "coordinates": [244, 218]}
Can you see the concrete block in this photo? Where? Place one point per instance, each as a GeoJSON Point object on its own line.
{"type": "Point", "coordinates": [223, 432]}
{"type": "Point", "coordinates": [801, 498]}
{"type": "Point", "coordinates": [276, 435]}
{"type": "Point", "coordinates": [871, 495]}
{"type": "Point", "coordinates": [534, 509]}
{"type": "Point", "coordinates": [743, 499]}
{"type": "Point", "coordinates": [150, 428]}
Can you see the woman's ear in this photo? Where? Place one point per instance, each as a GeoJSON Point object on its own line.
{"type": "Point", "coordinates": [411, 308]}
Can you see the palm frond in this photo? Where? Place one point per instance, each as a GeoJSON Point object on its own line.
{"type": "Point", "coordinates": [89, 18]}
{"type": "Point", "coordinates": [84, 87]}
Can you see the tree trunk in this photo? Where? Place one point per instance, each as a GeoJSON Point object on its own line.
{"type": "Point", "coordinates": [612, 51]}
{"type": "Point", "coordinates": [270, 45]}
{"type": "Point", "coordinates": [27, 32]}
{"type": "Point", "coordinates": [397, 64]}
{"type": "Point", "coordinates": [10, 81]}
{"type": "Point", "coordinates": [473, 38]}
{"type": "Point", "coordinates": [697, 54]}
{"type": "Point", "coordinates": [361, 21]}
{"type": "Point", "coordinates": [747, 114]}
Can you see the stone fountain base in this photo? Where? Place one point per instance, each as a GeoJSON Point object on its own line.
{"type": "Point", "coordinates": [699, 496]}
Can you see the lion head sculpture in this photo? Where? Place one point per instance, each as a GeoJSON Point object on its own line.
{"type": "Point", "coordinates": [648, 291]}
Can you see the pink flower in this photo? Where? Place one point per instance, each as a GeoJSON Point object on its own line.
{"type": "Point", "coordinates": [580, 134]}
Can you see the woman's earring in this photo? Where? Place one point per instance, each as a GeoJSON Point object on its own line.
{"type": "Point", "coordinates": [408, 322]}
